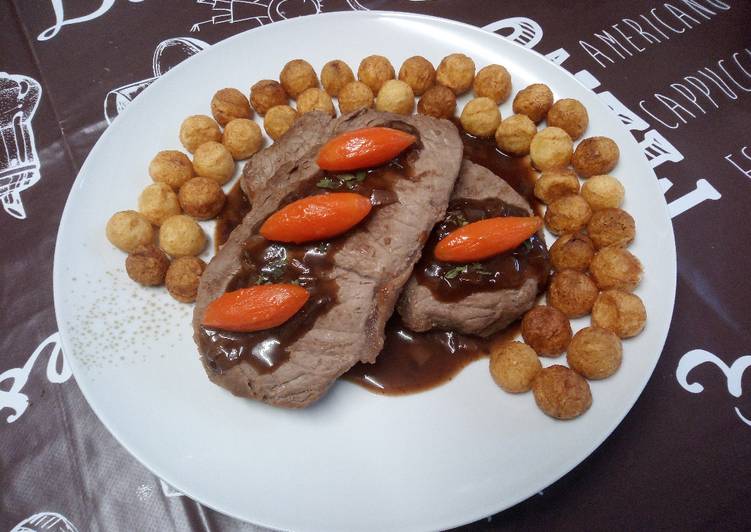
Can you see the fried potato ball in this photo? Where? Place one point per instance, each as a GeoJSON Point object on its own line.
{"type": "Point", "coordinates": [242, 138]}
{"type": "Point", "coordinates": [213, 159]}
{"type": "Point", "coordinates": [534, 101]}
{"type": "Point", "coordinates": [335, 75]}
{"type": "Point", "coordinates": [171, 167]}
{"type": "Point", "coordinates": [569, 115]}
{"type": "Point", "coordinates": [572, 251]}
{"type": "Point", "coordinates": [481, 117]}
{"type": "Point", "coordinates": [158, 202]}
{"type": "Point", "coordinates": [147, 265]}
{"type": "Point", "coordinates": [547, 330]}
{"type": "Point", "coordinates": [315, 99]}
{"type": "Point", "coordinates": [418, 73]}
{"type": "Point", "coordinates": [620, 312]}
{"type": "Point", "coordinates": [513, 366]}
{"type": "Point", "coordinates": [202, 198]}
{"type": "Point", "coordinates": [197, 129]}
{"type": "Point", "coordinates": [568, 214]}
{"type": "Point", "coordinates": [561, 393]}
{"type": "Point", "coordinates": [550, 149]}
{"type": "Point", "coordinates": [183, 277]}
{"type": "Point", "coordinates": [278, 120]}
{"type": "Point", "coordinates": [494, 82]}
{"type": "Point", "coordinates": [374, 71]}
{"type": "Point", "coordinates": [457, 72]}
{"type": "Point", "coordinates": [438, 101]}
{"type": "Point", "coordinates": [395, 97]}
{"type": "Point", "coordinates": [127, 230]}
{"type": "Point", "coordinates": [298, 76]}
{"type": "Point", "coordinates": [266, 94]}
{"type": "Point", "coordinates": [595, 156]}
{"type": "Point", "coordinates": [181, 236]}
{"type": "Point", "coordinates": [595, 353]}
{"type": "Point", "coordinates": [514, 135]}
{"type": "Point", "coordinates": [614, 267]}
{"type": "Point", "coordinates": [611, 227]}
{"type": "Point", "coordinates": [228, 104]}
{"type": "Point", "coordinates": [355, 95]}
{"type": "Point", "coordinates": [603, 192]}
{"type": "Point", "coordinates": [555, 184]}
{"type": "Point", "coordinates": [573, 293]}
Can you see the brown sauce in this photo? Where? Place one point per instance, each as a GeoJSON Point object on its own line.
{"type": "Point", "coordinates": [233, 212]}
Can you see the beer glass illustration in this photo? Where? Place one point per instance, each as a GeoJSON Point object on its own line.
{"type": "Point", "coordinates": [19, 164]}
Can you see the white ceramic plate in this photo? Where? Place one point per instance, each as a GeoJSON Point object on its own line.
{"type": "Point", "coordinates": [354, 461]}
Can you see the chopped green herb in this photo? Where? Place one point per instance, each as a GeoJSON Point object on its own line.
{"type": "Point", "coordinates": [479, 268]}
{"type": "Point", "coordinates": [457, 218]}
{"type": "Point", "coordinates": [453, 273]}
{"type": "Point", "coordinates": [528, 244]}
{"type": "Point", "coordinates": [327, 182]}
{"type": "Point", "coordinates": [323, 247]}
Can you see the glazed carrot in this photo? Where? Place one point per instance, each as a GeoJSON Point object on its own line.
{"type": "Point", "coordinates": [363, 148]}
{"type": "Point", "coordinates": [255, 308]}
{"type": "Point", "coordinates": [483, 239]}
{"type": "Point", "coordinates": [316, 217]}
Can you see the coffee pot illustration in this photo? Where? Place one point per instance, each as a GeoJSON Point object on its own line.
{"type": "Point", "coordinates": [19, 163]}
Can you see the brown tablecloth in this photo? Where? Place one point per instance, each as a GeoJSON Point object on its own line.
{"type": "Point", "coordinates": [678, 74]}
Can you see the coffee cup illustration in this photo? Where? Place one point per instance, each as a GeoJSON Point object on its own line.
{"type": "Point", "coordinates": [19, 164]}
{"type": "Point", "coordinates": [167, 54]}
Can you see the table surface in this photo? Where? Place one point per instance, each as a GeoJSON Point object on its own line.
{"type": "Point", "coordinates": [677, 74]}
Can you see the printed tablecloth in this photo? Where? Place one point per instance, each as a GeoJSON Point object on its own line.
{"type": "Point", "coordinates": [677, 74]}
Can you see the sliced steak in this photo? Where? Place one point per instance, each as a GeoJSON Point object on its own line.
{"type": "Point", "coordinates": [368, 266]}
{"type": "Point", "coordinates": [480, 298]}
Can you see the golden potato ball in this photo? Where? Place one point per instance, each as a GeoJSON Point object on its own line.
{"type": "Point", "coordinates": [127, 230]}
{"type": "Point", "coordinates": [603, 192]}
{"type": "Point", "coordinates": [494, 82]}
{"type": "Point", "coordinates": [561, 393]}
{"type": "Point", "coordinates": [534, 101]}
{"type": "Point", "coordinates": [171, 167]}
{"type": "Point", "coordinates": [266, 94]}
{"type": "Point", "coordinates": [572, 251]}
{"type": "Point", "coordinates": [297, 76]}
{"type": "Point", "coordinates": [611, 227]}
{"type": "Point", "coordinates": [228, 104]}
{"type": "Point", "coordinates": [183, 277]}
{"type": "Point", "coordinates": [202, 198]}
{"type": "Point", "coordinates": [595, 156]}
{"type": "Point", "coordinates": [614, 267]}
{"type": "Point", "coordinates": [551, 149]}
{"type": "Point", "coordinates": [158, 202]}
{"type": "Point", "coordinates": [418, 73]}
{"type": "Point", "coordinates": [547, 330]}
{"type": "Point", "coordinates": [242, 138]}
{"type": "Point", "coordinates": [514, 135]}
{"type": "Point", "coordinates": [573, 293]}
{"type": "Point", "coordinates": [569, 115]}
{"type": "Point", "coordinates": [335, 75]}
{"type": "Point", "coordinates": [395, 97]}
{"type": "Point", "coordinates": [315, 99]}
{"type": "Point", "coordinates": [199, 129]}
{"type": "Point", "coordinates": [481, 117]}
{"type": "Point", "coordinates": [181, 236]}
{"type": "Point", "coordinates": [147, 265]}
{"type": "Point", "coordinates": [374, 71]}
{"type": "Point", "coordinates": [621, 312]}
{"type": "Point", "coordinates": [355, 95]}
{"type": "Point", "coordinates": [213, 159]}
{"type": "Point", "coordinates": [555, 184]}
{"type": "Point", "coordinates": [568, 214]}
{"type": "Point", "coordinates": [438, 101]}
{"type": "Point", "coordinates": [457, 72]}
{"type": "Point", "coordinates": [513, 366]}
{"type": "Point", "coordinates": [278, 120]}
{"type": "Point", "coordinates": [595, 353]}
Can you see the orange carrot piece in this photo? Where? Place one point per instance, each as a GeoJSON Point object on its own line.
{"type": "Point", "coordinates": [486, 238]}
{"type": "Point", "coordinates": [255, 308]}
{"type": "Point", "coordinates": [363, 148]}
{"type": "Point", "coordinates": [316, 217]}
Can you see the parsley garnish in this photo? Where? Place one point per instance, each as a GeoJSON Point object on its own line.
{"type": "Point", "coordinates": [453, 273]}
{"type": "Point", "coordinates": [327, 182]}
